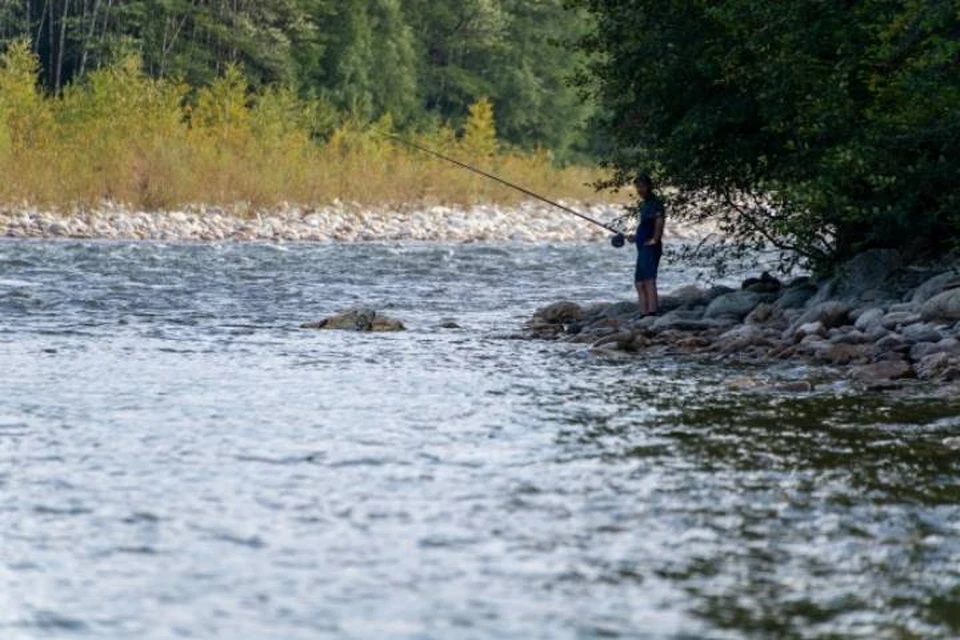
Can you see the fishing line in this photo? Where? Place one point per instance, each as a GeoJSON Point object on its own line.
{"type": "Point", "coordinates": [506, 183]}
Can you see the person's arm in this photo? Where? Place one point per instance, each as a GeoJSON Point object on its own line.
{"type": "Point", "coordinates": [657, 231]}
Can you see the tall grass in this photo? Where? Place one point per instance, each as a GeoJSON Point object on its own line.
{"type": "Point", "coordinates": [156, 144]}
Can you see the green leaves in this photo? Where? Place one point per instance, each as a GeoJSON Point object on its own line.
{"type": "Point", "coordinates": [825, 128]}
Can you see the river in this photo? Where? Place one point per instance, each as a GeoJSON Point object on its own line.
{"type": "Point", "coordinates": [179, 459]}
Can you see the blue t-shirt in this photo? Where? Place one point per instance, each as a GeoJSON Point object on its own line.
{"type": "Point", "coordinates": [651, 209]}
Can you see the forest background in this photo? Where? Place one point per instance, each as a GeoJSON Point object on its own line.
{"type": "Point", "coordinates": [157, 103]}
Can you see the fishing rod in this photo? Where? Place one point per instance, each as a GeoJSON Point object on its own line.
{"type": "Point", "coordinates": [618, 239]}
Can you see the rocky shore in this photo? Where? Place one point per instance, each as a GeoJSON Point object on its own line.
{"type": "Point", "coordinates": [529, 222]}
{"type": "Point", "coordinates": [877, 322]}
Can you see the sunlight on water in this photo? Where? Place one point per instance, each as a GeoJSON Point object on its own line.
{"type": "Point", "coordinates": [177, 458]}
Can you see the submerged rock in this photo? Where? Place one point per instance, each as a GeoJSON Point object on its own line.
{"type": "Point", "coordinates": [939, 366]}
{"type": "Point", "coordinates": [361, 319]}
{"type": "Point", "coordinates": [559, 312]}
{"type": "Point", "coordinates": [883, 370]}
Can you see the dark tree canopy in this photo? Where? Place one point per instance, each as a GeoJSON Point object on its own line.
{"type": "Point", "coordinates": [825, 127]}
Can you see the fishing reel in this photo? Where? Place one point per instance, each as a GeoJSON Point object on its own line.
{"type": "Point", "coordinates": [618, 241]}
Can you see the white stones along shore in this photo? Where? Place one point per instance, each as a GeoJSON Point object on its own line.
{"type": "Point", "coordinates": [529, 222]}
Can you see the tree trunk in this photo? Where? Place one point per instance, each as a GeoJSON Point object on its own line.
{"type": "Point", "coordinates": [61, 45]}
{"type": "Point", "coordinates": [89, 38]}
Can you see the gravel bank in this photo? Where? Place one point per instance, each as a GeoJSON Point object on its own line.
{"type": "Point", "coordinates": [531, 222]}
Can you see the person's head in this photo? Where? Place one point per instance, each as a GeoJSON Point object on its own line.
{"type": "Point", "coordinates": [643, 183]}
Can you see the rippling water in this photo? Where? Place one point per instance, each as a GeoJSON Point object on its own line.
{"type": "Point", "coordinates": [178, 459]}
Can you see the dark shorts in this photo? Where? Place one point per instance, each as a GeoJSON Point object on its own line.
{"type": "Point", "coordinates": [648, 262]}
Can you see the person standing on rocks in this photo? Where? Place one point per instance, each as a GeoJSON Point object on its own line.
{"type": "Point", "coordinates": [648, 238]}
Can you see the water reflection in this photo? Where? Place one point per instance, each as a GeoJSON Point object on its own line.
{"type": "Point", "coordinates": [793, 516]}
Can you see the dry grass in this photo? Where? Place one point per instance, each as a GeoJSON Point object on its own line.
{"type": "Point", "coordinates": [124, 137]}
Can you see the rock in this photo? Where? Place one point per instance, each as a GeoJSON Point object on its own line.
{"type": "Point", "coordinates": [559, 312]}
{"type": "Point", "coordinates": [869, 320]}
{"type": "Point", "coordinates": [952, 442]}
{"type": "Point", "coordinates": [449, 323]}
{"type": "Point", "coordinates": [943, 307]}
{"type": "Point", "coordinates": [796, 296]}
{"type": "Point", "coordinates": [942, 367]}
{"type": "Point", "coordinates": [851, 337]}
{"type": "Point", "coordinates": [742, 383]}
{"type": "Point", "coordinates": [829, 314]}
{"type": "Point", "coordinates": [767, 314]}
{"type": "Point", "coordinates": [623, 309]}
{"type": "Point", "coordinates": [892, 342]}
{"type": "Point", "coordinates": [840, 354]}
{"type": "Point", "coordinates": [678, 321]}
{"type": "Point", "coordinates": [901, 307]}
{"type": "Point", "coordinates": [742, 336]}
{"type": "Point", "coordinates": [766, 283]}
{"type": "Point", "coordinates": [863, 278]}
{"type": "Point", "coordinates": [880, 371]}
{"type": "Point", "coordinates": [935, 286]}
{"type": "Point", "coordinates": [57, 229]}
{"type": "Point", "coordinates": [686, 297]}
{"type": "Point", "coordinates": [921, 332]}
{"type": "Point", "coordinates": [810, 329]}
{"type": "Point", "coordinates": [896, 319]}
{"type": "Point", "coordinates": [735, 305]}
{"type": "Point", "coordinates": [924, 349]}
{"type": "Point", "coordinates": [360, 319]}
{"type": "Point", "coordinates": [622, 340]}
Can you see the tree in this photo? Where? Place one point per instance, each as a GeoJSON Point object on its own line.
{"type": "Point", "coordinates": [823, 128]}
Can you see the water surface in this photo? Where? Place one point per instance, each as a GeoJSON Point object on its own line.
{"type": "Point", "coordinates": [178, 459]}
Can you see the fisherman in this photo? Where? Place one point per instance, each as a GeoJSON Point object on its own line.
{"type": "Point", "coordinates": [648, 238]}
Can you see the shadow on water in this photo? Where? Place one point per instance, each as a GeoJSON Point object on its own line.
{"type": "Point", "coordinates": [806, 516]}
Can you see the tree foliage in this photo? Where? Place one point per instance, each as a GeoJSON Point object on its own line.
{"type": "Point", "coordinates": [820, 127]}
{"type": "Point", "coordinates": [424, 62]}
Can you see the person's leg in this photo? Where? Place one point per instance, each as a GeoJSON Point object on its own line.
{"type": "Point", "coordinates": [651, 304]}
{"type": "Point", "coordinates": [641, 295]}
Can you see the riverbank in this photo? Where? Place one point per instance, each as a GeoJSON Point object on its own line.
{"type": "Point", "coordinates": [878, 323]}
{"type": "Point", "coordinates": [527, 222]}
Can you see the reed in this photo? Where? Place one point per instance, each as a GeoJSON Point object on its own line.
{"type": "Point", "coordinates": [153, 144]}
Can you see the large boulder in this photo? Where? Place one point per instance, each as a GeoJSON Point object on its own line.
{"type": "Point", "coordinates": [865, 277]}
{"type": "Point", "coordinates": [943, 307]}
{"type": "Point", "coordinates": [360, 319]}
{"type": "Point", "coordinates": [734, 305]}
{"type": "Point", "coordinates": [935, 286]}
{"type": "Point", "coordinates": [796, 296]}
